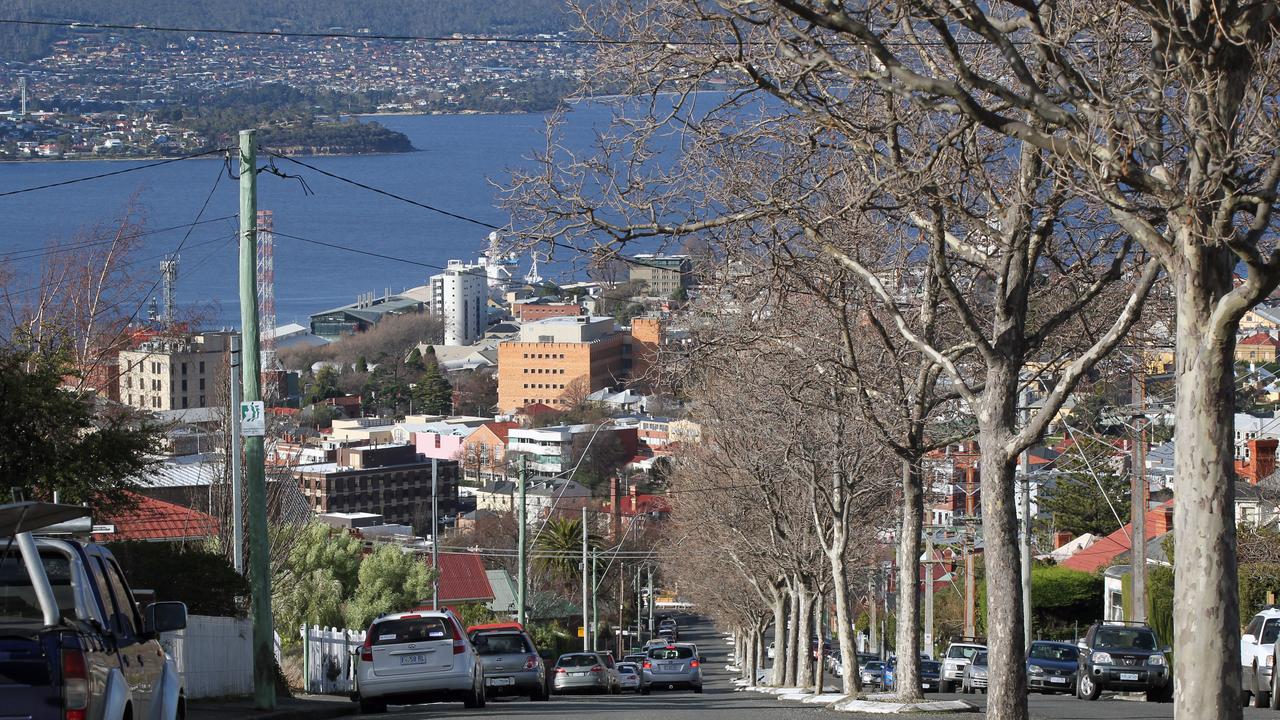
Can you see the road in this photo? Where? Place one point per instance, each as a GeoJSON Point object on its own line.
{"type": "Point", "coordinates": [721, 702]}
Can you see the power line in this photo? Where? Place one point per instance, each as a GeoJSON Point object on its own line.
{"type": "Point", "coordinates": [54, 249]}
{"type": "Point", "coordinates": [113, 173]}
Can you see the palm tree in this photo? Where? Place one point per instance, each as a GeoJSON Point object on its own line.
{"type": "Point", "coordinates": [559, 548]}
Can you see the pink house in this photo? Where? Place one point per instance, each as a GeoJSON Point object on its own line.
{"type": "Point", "coordinates": [439, 440]}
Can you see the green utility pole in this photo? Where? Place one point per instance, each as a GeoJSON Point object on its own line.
{"type": "Point", "coordinates": [264, 687]}
{"type": "Point", "coordinates": [586, 617]}
{"type": "Point", "coordinates": [595, 607]}
{"type": "Point", "coordinates": [523, 579]}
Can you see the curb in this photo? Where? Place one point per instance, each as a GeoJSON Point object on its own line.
{"type": "Point", "coordinates": [879, 707]}
{"type": "Point", "coordinates": [313, 710]}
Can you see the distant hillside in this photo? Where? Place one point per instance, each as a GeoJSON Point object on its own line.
{"type": "Point", "coordinates": [401, 17]}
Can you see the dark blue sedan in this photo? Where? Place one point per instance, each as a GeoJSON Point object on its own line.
{"type": "Point", "coordinates": [1051, 667]}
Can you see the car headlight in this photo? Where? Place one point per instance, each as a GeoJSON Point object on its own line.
{"type": "Point", "coordinates": [1101, 658]}
{"type": "Point", "coordinates": [980, 673]}
{"type": "Point", "coordinates": [1035, 670]}
{"type": "Point", "coordinates": [1269, 661]}
{"type": "Point", "coordinates": [1158, 659]}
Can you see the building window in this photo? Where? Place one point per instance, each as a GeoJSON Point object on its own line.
{"type": "Point", "coordinates": [202, 401]}
{"type": "Point", "coordinates": [184, 368]}
{"type": "Point", "coordinates": [202, 383]}
{"type": "Point", "coordinates": [184, 402]}
{"type": "Point", "coordinates": [201, 367]}
{"type": "Point", "coordinates": [184, 386]}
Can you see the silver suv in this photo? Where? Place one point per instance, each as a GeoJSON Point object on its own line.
{"type": "Point", "coordinates": [671, 667]}
{"type": "Point", "coordinates": [415, 657]}
{"type": "Point", "coordinates": [957, 658]}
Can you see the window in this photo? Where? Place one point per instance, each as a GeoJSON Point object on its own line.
{"type": "Point", "coordinates": [184, 386]}
{"type": "Point", "coordinates": [123, 611]}
{"type": "Point", "coordinates": [201, 401]}
{"type": "Point", "coordinates": [184, 402]}
{"type": "Point", "coordinates": [184, 368]}
{"type": "Point", "coordinates": [128, 382]}
{"type": "Point", "coordinates": [201, 367]}
{"type": "Point", "coordinates": [202, 384]}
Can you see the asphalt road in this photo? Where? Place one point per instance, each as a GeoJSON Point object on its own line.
{"type": "Point", "coordinates": [719, 701]}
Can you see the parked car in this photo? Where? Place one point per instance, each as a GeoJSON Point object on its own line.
{"type": "Point", "coordinates": [671, 667]}
{"type": "Point", "coordinates": [74, 643]}
{"type": "Point", "coordinates": [589, 671]}
{"type": "Point", "coordinates": [769, 651]}
{"type": "Point", "coordinates": [1257, 656]}
{"type": "Point", "coordinates": [864, 658]}
{"type": "Point", "coordinates": [510, 661]}
{"type": "Point", "coordinates": [930, 674]}
{"type": "Point", "coordinates": [416, 657]}
{"type": "Point", "coordinates": [873, 674]}
{"type": "Point", "coordinates": [629, 676]}
{"type": "Point", "coordinates": [1051, 666]}
{"type": "Point", "coordinates": [957, 658]}
{"type": "Point", "coordinates": [634, 657]}
{"type": "Point", "coordinates": [975, 674]}
{"type": "Point", "coordinates": [1117, 655]}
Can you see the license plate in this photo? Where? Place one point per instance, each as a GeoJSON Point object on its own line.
{"type": "Point", "coordinates": [581, 674]}
{"type": "Point", "coordinates": [413, 659]}
{"type": "Point", "coordinates": [925, 686]}
{"type": "Point", "coordinates": [671, 667]}
{"type": "Point", "coordinates": [1132, 677]}
{"type": "Point", "coordinates": [500, 681]}
{"type": "Point", "coordinates": [1063, 681]}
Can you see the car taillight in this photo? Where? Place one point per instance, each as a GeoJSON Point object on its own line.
{"type": "Point", "coordinates": [531, 662]}
{"type": "Point", "coordinates": [693, 663]}
{"type": "Point", "coordinates": [366, 649]}
{"type": "Point", "coordinates": [459, 639]}
{"type": "Point", "coordinates": [560, 671]}
{"type": "Point", "coordinates": [75, 685]}
{"type": "Point", "coordinates": [647, 665]}
{"type": "Point", "coordinates": [597, 668]}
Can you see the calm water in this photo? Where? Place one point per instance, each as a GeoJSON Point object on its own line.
{"type": "Point", "coordinates": [458, 158]}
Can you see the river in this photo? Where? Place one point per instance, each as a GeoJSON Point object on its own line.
{"type": "Point", "coordinates": [458, 159]}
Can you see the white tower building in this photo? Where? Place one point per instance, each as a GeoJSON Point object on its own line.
{"type": "Point", "coordinates": [460, 296]}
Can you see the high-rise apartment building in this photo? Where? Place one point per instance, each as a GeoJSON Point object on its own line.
{"type": "Point", "coordinates": [173, 373]}
{"type": "Point", "coordinates": [460, 296]}
{"type": "Point", "coordinates": [559, 354]}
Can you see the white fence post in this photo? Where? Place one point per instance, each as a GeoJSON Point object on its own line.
{"type": "Point", "coordinates": [327, 659]}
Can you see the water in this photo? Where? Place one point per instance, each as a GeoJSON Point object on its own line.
{"type": "Point", "coordinates": [458, 160]}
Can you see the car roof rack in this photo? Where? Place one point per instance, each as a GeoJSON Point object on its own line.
{"type": "Point", "coordinates": [1134, 623]}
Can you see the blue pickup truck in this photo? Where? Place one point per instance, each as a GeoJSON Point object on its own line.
{"type": "Point", "coordinates": [74, 644]}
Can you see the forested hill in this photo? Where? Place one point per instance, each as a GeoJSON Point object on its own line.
{"type": "Point", "coordinates": [400, 17]}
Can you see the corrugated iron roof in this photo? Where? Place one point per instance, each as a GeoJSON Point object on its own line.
{"type": "Point", "coordinates": [463, 578]}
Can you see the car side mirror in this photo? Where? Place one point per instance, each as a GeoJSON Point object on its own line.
{"type": "Point", "coordinates": [1248, 638]}
{"type": "Point", "coordinates": [162, 617]}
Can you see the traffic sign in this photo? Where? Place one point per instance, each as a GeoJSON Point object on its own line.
{"type": "Point", "coordinates": [253, 419]}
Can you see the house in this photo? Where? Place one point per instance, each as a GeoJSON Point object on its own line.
{"type": "Point", "coordinates": [534, 413]}
{"type": "Point", "coordinates": [484, 452]}
{"type": "Point", "coordinates": [1255, 507]}
{"type": "Point", "coordinates": [1257, 348]}
{"type": "Point", "coordinates": [439, 440]}
{"type": "Point", "coordinates": [1261, 319]}
{"type": "Point", "coordinates": [553, 496]}
{"type": "Point", "coordinates": [463, 580]}
{"type": "Point", "coordinates": [496, 496]}
{"type": "Point", "coordinates": [156, 520]}
{"type": "Point", "coordinates": [1158, 521]}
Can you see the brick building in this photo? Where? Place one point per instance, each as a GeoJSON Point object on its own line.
{"type": "Point", "coordinates": [173, 373]}
{"type": "Point", "coordinates": [541, 309]}
{"type": "Point", "coordinates": [391, 481]}
{"type": "Point", "coordinates": [560, 353]}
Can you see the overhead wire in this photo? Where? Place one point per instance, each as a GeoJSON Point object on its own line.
{"type": "Point", "coordinates": [46, 250]}
{"type": "Point", "coordinates": [113, 173]}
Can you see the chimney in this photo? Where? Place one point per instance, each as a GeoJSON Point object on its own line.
{"type": "Point", "coordinates": [1262, 459]}
{"type": "Point", "coordinates": [1062, 537]}
{"type": "Point", "coordinates": [634, 499]}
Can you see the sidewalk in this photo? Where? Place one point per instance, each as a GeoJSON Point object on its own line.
{"type": "Point", "coordinates": [302, 707]}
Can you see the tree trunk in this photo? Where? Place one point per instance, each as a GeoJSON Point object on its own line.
{"type": "Point", "coordinates": [778, 677]}
{"type": "Point", "coordinates": [753, 657]}
{"type": "Point", "coordinates": [819, 663]}
{"type": "Point", "coordinates": [907, 674]}
{"type": "Point", "coordinates": [804, 668]}
{"type": "Point", "coordinates": [1206, 623]}
{"type": "Point", "coordinates": [793, 627]}
{"type": "Point", "coordinates": [1007, 694]}
{"type": "Point", "coordinates": [850, 682]}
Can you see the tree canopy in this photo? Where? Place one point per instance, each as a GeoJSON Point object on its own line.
{"type": "Point", "coordinates": [390, 580]}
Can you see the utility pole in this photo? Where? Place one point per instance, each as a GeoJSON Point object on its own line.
{"type": "Point", "coordinates": [622, 609]}
{"type": "Point", "coordinates": [586, 618]}
{"type": "Point", "coordinates": [264, 690]}
{"type": "Point", "coordinates": [1138, 505]}
{"type": "Point", "coordinates": [650, 601]}
{"type": "Point", "coordinates": [595, 607]}
{"type": "Point", "coordinates": [237, 522]}
{"type": "Point", "coordinates": [970, 582]}
{"type": "Point", "coordinates": [928, 592]}
{"type": "Point", "coordinates": [522, 581]}
{"type": "Point", "coordinates": [435, 534]}
{"type": "Point", "coordinates": [873, 625]}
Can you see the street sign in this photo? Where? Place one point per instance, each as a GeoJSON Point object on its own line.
{"type": "Point", "coordinates": [582, 632]}
{"type": "Point", "coordinates": [253, 419]}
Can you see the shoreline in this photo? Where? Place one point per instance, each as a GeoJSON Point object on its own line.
{"type": "Point", "coordinates": [218, 158]}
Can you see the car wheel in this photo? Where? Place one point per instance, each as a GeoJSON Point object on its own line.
{"type": "Point", "coordinates": [372, 707]}
{"type": "Point", "coordinates": [946, 687]}
{"type": "Point", "coordinates": [475, 698]}
{"type": "Point", "coordinates": [1275, 692]}
{"type": "Point", "coordinates": [1261, 697]}
{"type": "Point", "coordinates": [1087, 688]}
{"type": "Point", "coordinates": [541, 693]}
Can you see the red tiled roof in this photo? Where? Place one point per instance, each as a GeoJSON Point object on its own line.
{"type": "Point", "coordinates": [1260, 339]}
{"type": "Point", "coordinates": [537, 409]}
{"type": "Point", "coordinates": [153, 519]}
{"type": "Point", "coordinates": [462, 578]}
{"type": "Point", "coordinates": [500, 429]}
{"type": "Point", "coordinates": [1102, 553]}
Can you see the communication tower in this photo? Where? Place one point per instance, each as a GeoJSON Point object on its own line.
{"type": "Point", "coordinates": [169, 274]}
{"type": "Point", "coordinates": [266, 290]}
{"type": "Point", "coordinates": [22, 90]}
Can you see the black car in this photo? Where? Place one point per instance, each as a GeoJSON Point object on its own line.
{"type": "Point", "coordinates": [1125, 656]}
{"type": "Point", "coordinates": [930, 675]}
{"type": "Point", "coordinates": [1051, 666]}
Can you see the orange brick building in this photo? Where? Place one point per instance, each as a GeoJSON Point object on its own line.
{"type": "Point", "coordinates": [534, 310]}
{"type": "Point", "coordinates": [646, 336]}
{"type": "Point", "coordinates": [552, 354]}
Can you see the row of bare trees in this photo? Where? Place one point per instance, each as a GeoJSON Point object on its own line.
{"type": "Point", "coordinates": [1005, 184]}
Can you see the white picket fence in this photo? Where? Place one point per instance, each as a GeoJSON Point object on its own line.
{"type": "Point", "coordinates": [214, 655]}
{"type": "Point", "coordinates": [327, 659]}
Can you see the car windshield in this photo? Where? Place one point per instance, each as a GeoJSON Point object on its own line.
{"type": "Point", "coordinates": [1109, 638]}
{"type": "Point", "coordinates": [671, 653]}
{"type": "Point", "coordinates": [501, 644]}
{"type": "Point", "coordinates": [578, 661]}
{"type": "Point", "coordinates": [980, 659]}
{"type": "Point", "coordinates": [931, 666]}
{"type": "Point", "coordinates": [963, 651]}
{"type": "Point", "coordinates": [1045, 651]}
{"type": "Point", "coordinates": [877, 665]}
{"type": "Point", "coordinates": [18, 603]}
{"type": "Point", "coordinates": [407, 630]}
